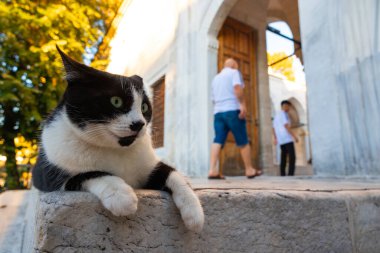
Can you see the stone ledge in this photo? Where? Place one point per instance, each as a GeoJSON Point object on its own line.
{"type": "Point", "coordinates": [236, 221]}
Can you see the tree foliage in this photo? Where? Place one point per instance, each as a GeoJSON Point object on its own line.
{"type": "Point", "coordinates": [284, 67]}
{"type": "Point", "coordinates": [30, 68]}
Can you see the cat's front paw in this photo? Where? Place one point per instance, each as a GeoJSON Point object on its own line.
{"type": "Point", "coordinates": [193, 215]}
{"type": "Point", "coordinates": [120, 200]}
{"type": "Point", "coordinates": [187, 202]}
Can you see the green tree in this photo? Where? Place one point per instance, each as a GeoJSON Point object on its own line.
{"type": "Point", "coordinates": [30, 68]}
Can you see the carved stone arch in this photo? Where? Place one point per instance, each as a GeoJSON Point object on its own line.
{"type": "Point", "coordinates": [297, 111]}
{"type": "Point", "coordinates": [276, 15]}
{"type": "Point", "coordinates": [216, 14]}
{"type": "Point", "coordinates": [287, 11]}
{"type": "Point", "coordinates": [210, 27]}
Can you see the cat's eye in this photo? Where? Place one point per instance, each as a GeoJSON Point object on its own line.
{"type": "Point", "coordinates": [144, 107]}
{"type": "Point", "coordinates": [116, 101]}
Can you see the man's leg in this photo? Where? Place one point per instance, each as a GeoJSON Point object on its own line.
{"type": "Point", "coordinates": [215, 151]}
{"type": "Point", "coordinates": [292, 159]}
{"type": "Point", "coordinates": [246, 155]}
{"type": "Point", "coordinates": [221, 132]}
{"type": "Point", "coordinates": [239, 130]}
{"type": "Point", "coordinates": [284, 155]}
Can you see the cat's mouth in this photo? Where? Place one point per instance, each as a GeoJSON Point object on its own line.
{"type": "Point", "coordinates": [126, 141]}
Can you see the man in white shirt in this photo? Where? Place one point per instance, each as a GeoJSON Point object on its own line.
{"type": "Point", "coordinates": [284, 137]}
{"type": "Point", "coordinates": [229, 115]}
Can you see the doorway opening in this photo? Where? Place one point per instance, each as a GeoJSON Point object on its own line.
{"type": "Point", "coordinates": [287, 82]}
{"type": "Point", "coordinates": [234, 27]}
{"type": "Point", "coordinates": [239, 41]}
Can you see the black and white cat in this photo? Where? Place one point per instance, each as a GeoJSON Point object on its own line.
{"type": "Point", "coordinates": [97, 140]}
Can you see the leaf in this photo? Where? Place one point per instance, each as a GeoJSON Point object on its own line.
{"type": "Point", "coordinates": [8, 97]}
{"type": "Point", "coordinates": [284, 67]}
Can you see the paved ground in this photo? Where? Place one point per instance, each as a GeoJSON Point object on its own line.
{"type": "Point", "coordinates": [13, 204]}
{"type": "Point", "coordinates": [290, 183]}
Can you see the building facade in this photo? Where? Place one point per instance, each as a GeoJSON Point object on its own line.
{"type": "Point", "coordinates": [183, 43]}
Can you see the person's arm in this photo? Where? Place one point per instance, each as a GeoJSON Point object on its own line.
{"type": "Point", "coordinates": [275, 136]}
{"type": "Point", "coordinates": [239, 93]}
{"type": "Point", "coordinates": [238, 90]}
{"type": "Point", "coordinates": [285, 121]}
{"type": "Point", "coordinates": [287, 126]}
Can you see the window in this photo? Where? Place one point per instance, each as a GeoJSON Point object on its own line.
{"type": "Point", "coordinates": [158, 113]}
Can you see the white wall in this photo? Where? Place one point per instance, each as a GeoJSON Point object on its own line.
{"type": "Point", "coordinates": [161, 37]}
{"type": "Point", "coordinates": [281, 89]}
{"type": "Point", "coordinates": [341, 48]}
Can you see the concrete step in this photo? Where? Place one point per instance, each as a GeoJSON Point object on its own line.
{"type": "Point", "coordinates": [233, 171]}
{"type": "Point", "coordinates": [261, 215]}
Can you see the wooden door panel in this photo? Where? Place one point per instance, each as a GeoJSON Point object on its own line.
{"type": "Point", "coordinates": [243, 45]}
{"type": "Point", "coordinates": [229, 42]}
{"type": "Point", "coordinates": [238, 41]}
{"type": "Point", "coordinates": [245, 69]}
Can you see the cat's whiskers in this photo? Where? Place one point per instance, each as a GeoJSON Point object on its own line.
{"type": "Point", "coordinates": [100, 130]}
{"type": "Point", "coordinates": [72, 107]}
{"type": "Point", "coordinates": [95, 121]}
{"type": "Point", "coordinates": [91, 135]}
{"type": "Point", "coordinates": [121, 127]}
{"type": "Point", "coordinates": [93, 128]}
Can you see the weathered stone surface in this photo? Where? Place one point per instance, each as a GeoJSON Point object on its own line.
{"type": "Point", "coordinates": [236, 221]}
{"type": "Point", "coordinates": [365, 222]}
{"type": "Point", "coordinates": [268, 214]}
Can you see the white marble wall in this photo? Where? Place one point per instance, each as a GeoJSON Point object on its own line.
{"type": "Point", "coordinates": [171, 45]}
{"type": "Point", "coordinates": [341, 48]}
{"type": "Point", "coordinates": [183, 47]}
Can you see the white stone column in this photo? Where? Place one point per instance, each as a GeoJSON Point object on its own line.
{"type": "Point", "coordinates": [341, 49]}
{"type": "Point", "coordinates": [264, 103]}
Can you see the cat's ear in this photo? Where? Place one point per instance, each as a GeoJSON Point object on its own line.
{"type": "Point", "coordinates": [137, 81]}
{"type": "Point", "coordinates": [74, 69]}
{"type": "Point", "coordinates": [137, 78]}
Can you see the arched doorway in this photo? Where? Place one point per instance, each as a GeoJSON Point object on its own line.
{"type": "Point", "coordinates": [298, 121]}
{"type": "Point", "coordinates": [239, 41]}
{"type": "Point", "coordinates": [255, 15]}
{"type": "Point", "coordinates": [287, 82]}
{"type": "Point", "coordinates": [219, 11]}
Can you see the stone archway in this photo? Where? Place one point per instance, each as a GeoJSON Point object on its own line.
{"type": "Point", "coordinates": [301, 112]}
{"type": "Point", "coordinates": [287, 11]}
{"type": "Point", "coordinates": [218, 11]}
{"type": "Point", "coordinates": [297, 117]}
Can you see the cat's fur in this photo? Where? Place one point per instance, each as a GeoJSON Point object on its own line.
{"type": "Point", "coordinates": [97, 140]}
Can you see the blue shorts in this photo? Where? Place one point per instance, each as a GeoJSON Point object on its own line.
{"type": "Point", "coordinates": [230, 121]}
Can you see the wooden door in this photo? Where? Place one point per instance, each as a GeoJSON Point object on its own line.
{"type": "Point", "coordinates": [238, 41]}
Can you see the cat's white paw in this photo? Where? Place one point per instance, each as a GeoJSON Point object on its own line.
{"type": "Point", "coordinates": [193, 216]}
{"type": "Point", "coordinates": [187, 202]}
{"type": "Point", "coordinates": [115, 195]}
{"type": "Point", "coordinates": [120, 201]}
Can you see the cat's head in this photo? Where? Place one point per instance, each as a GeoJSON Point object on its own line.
{"type": "Point", "coordinates": [105, 109]}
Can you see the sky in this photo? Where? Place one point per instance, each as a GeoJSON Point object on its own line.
{"type": "Point", "coordinates": [276, 43]}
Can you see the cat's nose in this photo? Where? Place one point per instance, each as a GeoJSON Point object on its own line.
{"type": "Point", "coordinates": [136, 126]}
